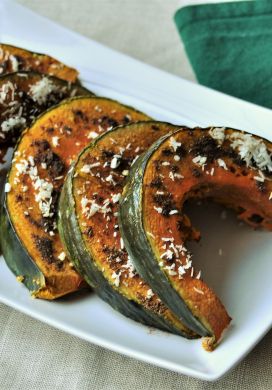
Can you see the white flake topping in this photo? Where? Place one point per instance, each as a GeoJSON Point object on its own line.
{"type": "Point", "coordinates": [62, 256]}
{"type": "Point", "coordinates": [92, 135]}
{"type": "Point", "coordinates": [115, 162]}
{"type": "Point", "coordinates": [172, 212]}
{"type": "Point", "coordinates": [174, 144]}
{"type": "Point", "coordinates": [218, 133]}
{"type": "Point", "coordinates": [116, 197]}
{"type": "Point", "coordinates": [116, 278]}
{"type": "Point", "coordinates": [88, 167]}
{"type": "Point", "coordinates": [43, 188]}
{"type": "Point", "coordinates": [41, 90]}
{"type": "Point", "coordinates": [200, 160]}
{"type": "Point", "coordinates": [14, 63]}
{"type": "Point", "coordinates": [12, 123]}
{"type": "Point", "coordinates": [7, 187]}
{"type": "Point", "coordinates": [55, 141]}
{"type": "Point", "coordinates": [260, 178]}
{"type": "Point", "coordinates": [149, 294]}
{"type": "Point", "coordinates": [158, 209]}
{"type": "Point", "coordinates": [251, 149]}
{"type": "Point", "coordinates": [222, 164]}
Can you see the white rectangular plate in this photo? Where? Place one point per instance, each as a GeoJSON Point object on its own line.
{"type": "Point", "coordinates": [246, 255]}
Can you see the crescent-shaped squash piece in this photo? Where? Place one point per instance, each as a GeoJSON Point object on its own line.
{"type": "Point", "coordinates": [229, 166]}
{"type": "Point", "coordinates": [14, 59]}
{"type": "Point", "coordinates": [29, 237]}
{"type": "Point", "coordinates": [88, 224]}
{"type": "Point", "coordinates": [25, 95]}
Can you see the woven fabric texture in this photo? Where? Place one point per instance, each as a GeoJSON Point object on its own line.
{"type": "Point", "coordinates": [34, 356]}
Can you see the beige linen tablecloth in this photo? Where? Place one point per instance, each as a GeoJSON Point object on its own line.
{"type": "Point", "coordinates": [36, 356]}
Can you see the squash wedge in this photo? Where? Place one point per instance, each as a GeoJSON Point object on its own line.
{"type": "Point", "coordinates": [14, 59]}
{"type": "Point", "coordinates": [229, 166]}
{"type": "Point", "coordinates": [30, 241]}
{"type": "Point", "coordinates": [25, 95]}
{"type": "Point", "coordinates": [88, 224]}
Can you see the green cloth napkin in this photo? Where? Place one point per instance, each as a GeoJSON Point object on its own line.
{"type": "Point", "coordinates": [229, 46]}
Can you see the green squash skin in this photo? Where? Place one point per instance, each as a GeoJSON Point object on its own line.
{"type": "Point", "coordinates": [74, 244]}
{"type": "Point", "coordinates": [16, 256]}
{"type": "Point", "coordinates": [140, 251]}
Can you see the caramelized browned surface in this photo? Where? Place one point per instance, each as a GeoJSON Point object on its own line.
{"type": "Point", "coordinates": [45, 153]}
{"type": "Point", "coordinates": [174, 173]}
{"type": "Point", "coordinates": [97, 187]}
{"type": "Point", "coordinates": [24, 96]}
{"type": "Point", "coordinates": [14, 59]}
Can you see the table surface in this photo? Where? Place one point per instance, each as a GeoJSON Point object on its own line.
{"type": "Point", "coordinates": [36, 356]}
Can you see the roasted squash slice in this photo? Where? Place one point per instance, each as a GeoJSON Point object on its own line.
{"type": "Point", "coordinates": [229, 166]}
{"type": "Point", "coordinates": [14, 59]}
{"type": "Point", "coordinates": [88, 224]}
{"type": "Point", "coordinates": [30, 240]}
{"type": "Point", "coordinates": [25, 95]}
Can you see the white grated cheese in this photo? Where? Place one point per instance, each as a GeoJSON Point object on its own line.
{"type": "Point", "coordinates": [170, 269]}
{"type": "Point", "coordinates": [260, 178]}
{"type": "Point", "coordinates": [149, 294]}
{"type": "Point", "coordinates": [130, 267]}
{"type": "Point", "coordinates": [168, 254]}
{"type": "Point", "coordinates": [198, 290]}
{"type": "Point", "coordinates": [7, 187]}
{"type": "Point", "coordinates": [4, 91]}
{"type": "Point", "coordinates": [115, 162]}
{"type": "Point", "coordinates": [158, 209]}
{"type": "Point", "coordinates": [181, 271]}
{"type": "Point", "coordinates": [218, 133]}
{"type": "Point", "coordinates": [14, 63]}
{"type": "Point", "coordinates": [200, 160]}
{"type": "Point", "coordinates": [12, 123]}
{"type": "Point", "coordinates": [55, 141]}
{"type": "Point", "coordinates": [87, 167]}
{"type": "Point", "coordinates": [41, 90]}
{"type": "Point", "coordinates": [92, 135]}
{"type": "Point", "coordinates": [116, 278]}
{"type": "Point", "coordinates": [116, 197]}
{"type": "Point", "coordinates": [110, 179]}
{"type": "Point", "coordinates": [174, 144]}
{"type": "Point", "coordinates": [250, 148]}
{"type": "Point", "coordinates": [222, 164]}
{"type": "Point", "coordinates": [122, 243]}
{"type": "Point", "coordinates": [62, 256]}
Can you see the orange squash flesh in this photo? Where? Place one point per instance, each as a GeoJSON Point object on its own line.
{"type": "Point", "coordinates": [45, 153]}
{"type": "Point", "coordinates": [14, 59]}
{"type": "Point", "coordinates": [100, 233]}
{"type": "Point", "coordinates": [171, 178]}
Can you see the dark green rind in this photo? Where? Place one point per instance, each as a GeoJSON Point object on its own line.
{"type": "Point", "coordinates": [140, 251]}
{"type": "Point", "coordinates": [81, 258]}
{"type": "Point", "coordinates": [16, 256]}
